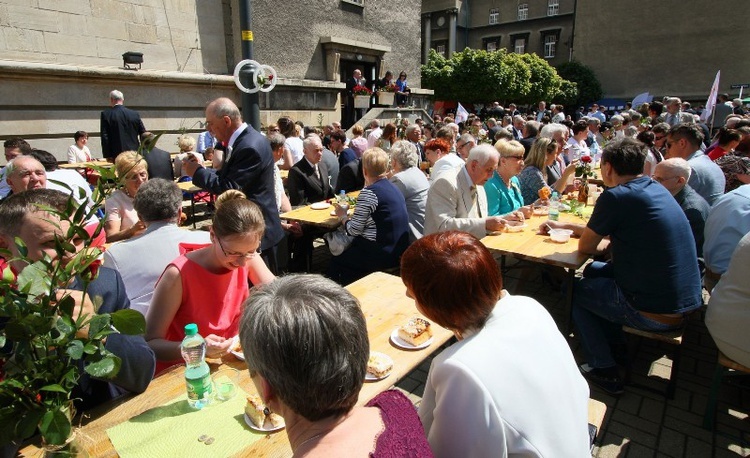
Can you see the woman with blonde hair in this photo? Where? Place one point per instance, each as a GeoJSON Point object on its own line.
{"type": "Point", "coordinates": [186, 143]}
{"type": "Point", "coordinates": [503, 189]}
{"type": "Point", "coordinates": [207, 286]}
{"type": "Point", "coordinates": [533, 177]}
{"type": "Point", "coordinates": [358, 143]}
{"type": "Point", "coordinates": [121, 220]}
{"type": "Point", "coordinates": [379, 225]}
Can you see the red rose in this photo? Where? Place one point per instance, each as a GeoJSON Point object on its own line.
{"type": "Point", "coordinates": [94, 268]}
{"type": "Point", "coordinates": [270, 77]}
{"type": "Point", "coordinates": [585, 159]}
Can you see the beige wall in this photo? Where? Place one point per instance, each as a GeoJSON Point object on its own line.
{"type": "Point", "coordinates": [666, 48]}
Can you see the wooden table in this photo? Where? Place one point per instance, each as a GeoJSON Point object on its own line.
{"type": "Point", "coordinates": [86, 165]}
{"type": "Point", "coordinates": [319, 218]}
{"type": "Point", "coordinates": [385, 305]}
{"type": "Point", "coordinates": [529, 245]}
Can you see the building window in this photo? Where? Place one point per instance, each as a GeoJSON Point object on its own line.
{"type": "Point", "coordinates": [550, 45]}
{"type": "Point", "coordinates": [553, 7]}
{"type": "Point", "coordinates": [440, 50]}
{"type": "Point", "coordinates": [523, 11]}
{"type": "Point", "coordinates": [491, 46]}
{"type": "Point", "coordinates": [519, 45]}
{"type": "Point", "coordinates": [355, 2]}
{"type": "Point", "coordinates": [494, 16]}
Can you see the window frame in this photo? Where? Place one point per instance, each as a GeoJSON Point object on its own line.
{"type": "Point", "coordinates": [494, 16]}
{"type": "Point", "coordinates": [522, 13]}
{"type": "Point", "coordinates": [550, 42]}
{"type": "Point", "coordinates": [553, 7]}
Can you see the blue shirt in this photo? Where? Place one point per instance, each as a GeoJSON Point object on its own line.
{"type": "Point", "coordinates": [653, 254]}
{"type": "Point", "coordinates": [707, 178]}
{"type": "Point", "coordinates": [501, 199]}
{"type": "Point", "coordinates": [728, 221]}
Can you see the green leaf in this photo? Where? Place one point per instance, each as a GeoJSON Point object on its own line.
{"type": "Point", "coordinates": [22, 250]}
{"type": "Point", "coordinates": [90, 348]}
{"type": "Point", "coordinates": [26, 426]}
{"type": "Point", "coordinates": [107, 367]}
{"type": "Point", "coordinates": [55, 427]}
{"type": "Point", "coordinates": [8, 275]}
{"type": "Point", "coordinates": [66, 305]}
{"type": "Point", "coordinates": [129, 321]}
{"type": "Point", "coordinates": [54, 387]}
{"type": "Point", "coordinates": [35, 279]}
{"type": "Point", "coordinates": [2, 340]}
{"type": "Point", "coordinates": [75, 349]}
{"type": "Point", "coordinates": [98, 323]}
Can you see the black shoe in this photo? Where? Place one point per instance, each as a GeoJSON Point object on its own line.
{"type": "Point", "coordinates": [606, 379]}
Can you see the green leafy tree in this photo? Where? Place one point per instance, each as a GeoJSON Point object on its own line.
{"type": "Point", "coordinates": [479, 76]}
{"type": "Point", "coordinates": [589, 89]}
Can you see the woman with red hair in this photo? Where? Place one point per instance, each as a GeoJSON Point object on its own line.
{"type": "Point", "coordinates": [493, 392]}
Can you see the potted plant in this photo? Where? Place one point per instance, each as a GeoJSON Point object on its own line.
{"type": "Point", "coordinates": [362, 96]}
{"type": "Point", "coordinates": [46, 343]}
{"type": "Point", "coordinates": [386, 94]}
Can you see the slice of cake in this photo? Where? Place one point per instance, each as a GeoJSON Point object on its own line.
{"type": "Point", "coordinates": [254, 410]}
{"type": "Point", "coordinates": [379, 365]}
{"type": "Point", "coordinates": [415, 332]}
{"type": "Point", "coordinates": [274, 421]}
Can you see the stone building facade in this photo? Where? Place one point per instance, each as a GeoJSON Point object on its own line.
{"type": "Point", "coordinates": [666, 48]}
{"type": "Point", "coordinates": [544, 27]}
{"type": "Point", "coordinates": [60, 58]}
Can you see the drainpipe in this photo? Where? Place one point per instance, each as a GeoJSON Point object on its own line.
{"type": "Point", "coordinates": [250, 105]}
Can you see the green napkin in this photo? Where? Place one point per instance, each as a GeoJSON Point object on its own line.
{"type": "Point", "coordinates": [172, 430]}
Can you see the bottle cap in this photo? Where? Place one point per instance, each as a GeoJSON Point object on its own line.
{"type": "Point", "coordinates": [191, 329]}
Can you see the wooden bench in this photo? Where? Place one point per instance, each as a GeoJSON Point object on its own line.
{"type": "Point", "coordinates": [597, 410]}
{"type": "Point", "coordinates": [673, 338]}
{"type": "Point", "coordinates": [723, 366]}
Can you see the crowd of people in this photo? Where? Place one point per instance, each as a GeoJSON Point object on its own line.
{"type": "Point", "coordinates": [672, 219]}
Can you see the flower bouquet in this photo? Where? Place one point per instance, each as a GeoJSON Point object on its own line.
{"type": "Point", "coordinates": [361, 90]}
{"type": "Point", "coordinates": [388, 88]}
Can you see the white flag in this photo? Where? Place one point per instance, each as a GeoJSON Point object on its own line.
{"type": "Point", "coordinates": [711, 102]}
{"type": "Point", "coordinates": [640, 99]}
{"type": "Point", "coordinates": [461, 114]}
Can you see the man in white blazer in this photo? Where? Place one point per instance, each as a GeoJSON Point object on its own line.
{"type": "Point", "coordinates": [141, 260]}
{"type": "Point", "coordinates": [456, 200]}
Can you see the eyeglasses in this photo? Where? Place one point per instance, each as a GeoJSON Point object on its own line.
{"type": "Point", "coordinates": [249, 255]}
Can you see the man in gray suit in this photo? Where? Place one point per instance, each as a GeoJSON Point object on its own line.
{"type": "Point", "coordinates": [412, 183]}
{"type": "Point", "coordinates": [456, 200]}
{"type": "Point", "coordinates": [141, 260]}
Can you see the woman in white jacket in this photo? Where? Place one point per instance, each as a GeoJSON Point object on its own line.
{"type": "Point", "coordinates": [510, 386]}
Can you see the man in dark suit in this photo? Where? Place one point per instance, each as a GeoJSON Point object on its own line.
{"type": "Point", "coordinates": [351, 177]}
{"type": "Point", "coordinates": [308, 178]}
{"type": "Point", "coordinates": [308, 183]}
{"type": "Point", "coordinates": [158, 161]}
{"type": "Point", "coordinates": [352, 113]}
{"type": "Point", "coordinates": [120, 127]}
{"type": "Point", "coordinates": [247, 165]}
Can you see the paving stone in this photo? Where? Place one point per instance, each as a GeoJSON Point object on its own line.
{"type": "Point", "coordinates": [679, 424]}
{"type": "Point", "coordinates": [685, 416]}
{"type": "Point", "coordinates": [409, 384]}
{"type": "Point", "coordinates": [633, 421]}
{"type": "Point", "coordinates": [671, 442]}
{"type": "Point", "coordinates": [697, 449]}
{"type": "Point", "coordinates": [632, 433]}
{"type": "Point", "coordinates": [630, 402]}
{"type": "Point", "coordinates": [651, 409]}
{"type": "Point", "coordinates": [637, 450]}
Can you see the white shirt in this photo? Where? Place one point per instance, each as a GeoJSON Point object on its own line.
{"type": "Point", "coordinates": [510, 389]}
{"type": "Point", "coordinates": [232, 139]}
{"type": "Point", "coordinates": [374, 137]}
{"type": "Point", "coordinates": [446, 163]}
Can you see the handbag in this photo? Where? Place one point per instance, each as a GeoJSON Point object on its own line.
{"type": "Point", "coordinates": [338, 240]}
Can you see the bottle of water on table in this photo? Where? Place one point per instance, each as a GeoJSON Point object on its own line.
{"type": "Point", "coordinates": [197, 373]}
{"type": "Point", "coordinates": [554, 207]}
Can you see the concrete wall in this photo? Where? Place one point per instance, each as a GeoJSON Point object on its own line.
{"type": "Point", "coordinates": [667, 48]}
{"type": "Point", "coordinates": [60, 58]}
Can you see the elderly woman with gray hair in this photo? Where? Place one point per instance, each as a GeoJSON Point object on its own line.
{"type": "Point", "coordinates": [412, 183]}
{"type": "Point", "coordinates": [306, 346]}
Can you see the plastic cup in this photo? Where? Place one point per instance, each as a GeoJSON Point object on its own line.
{"type": "Point", "coordinates": [225, 383]}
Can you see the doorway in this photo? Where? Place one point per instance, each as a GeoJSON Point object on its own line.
{"type": "Point", "coordinates": [346, 69]}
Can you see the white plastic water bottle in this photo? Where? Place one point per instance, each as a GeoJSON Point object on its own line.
{"type": "Point", "coordinates": [197, 373]}
{"type": "Point", "coordinates": [554, 207]}
{"type": "Point", "coordinates": [341, 199]}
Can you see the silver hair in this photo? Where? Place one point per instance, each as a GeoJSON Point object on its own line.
{"type": "Point", "coordinates": [467, 138]}
{"type": "Point", "coordinates": [482, 153]}
{"type": "Point", "coordinates": [549, 130]}
{"type": "Point", "coordinates": [116, 95]}
{"type": "Point", "coordinates": [672, 101]}
{"type": "Point", "coordinates": [677, 165]}
{"type": "Point", "coordinates": [410, 128]}
{"type": "Point", "coordinates": [225, 107]}
{"type": "Point", "coordinates": [158, 200]}
{"type": "Point", "coordinates": [594, 121]}
{"type": "Point", "coordinates": [405, 154]}
{"type": "Point", "coordinates": [307, 337]}
{"type": "Point", "coordinates": [10, 168]}
{"type": "Point", "coordinates": [276, 140]}
{"type": "Point", "coordinates": [310, 139]}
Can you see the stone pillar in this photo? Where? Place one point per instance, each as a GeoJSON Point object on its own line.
{"type": "Point", "coordinates": [452, 14]}
{"type": "Point", "coordinates": [427, 37]}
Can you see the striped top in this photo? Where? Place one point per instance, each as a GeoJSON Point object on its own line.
{"type": "Point", "coordinates": [362, 223]}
